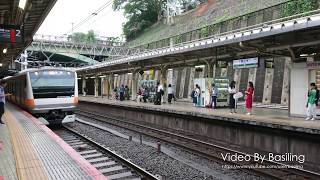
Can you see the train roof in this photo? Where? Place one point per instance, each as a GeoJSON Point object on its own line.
{"type": "Point", "coordinates": [40, 69]}
{"type": "Point", "coordinates": [46, 68]}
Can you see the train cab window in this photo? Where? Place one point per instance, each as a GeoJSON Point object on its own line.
{"type": "Point", "coordinates": [52, 84]}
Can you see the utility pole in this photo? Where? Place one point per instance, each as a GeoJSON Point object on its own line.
{"type": "Point", "coordinates": [72, 23]}
{"type": "Point", "coordinates": [168, 12]}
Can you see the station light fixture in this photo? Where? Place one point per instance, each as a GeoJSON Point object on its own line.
{"type": "Point", "coordinates": [200, 66]}
{"type": "Point", "coordinates": [304, 55]}
{"type": "Point", "coordinates": [129, 73]}
{"type": "Point", "coordinates": [0, 64]}
{"type": "Point", "coordinates": [5, 50]}
{"type": "Point", "coordinates": [22, 4]}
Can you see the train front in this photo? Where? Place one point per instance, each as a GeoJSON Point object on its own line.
{"type": "Point", "coordinates": [55, 95]}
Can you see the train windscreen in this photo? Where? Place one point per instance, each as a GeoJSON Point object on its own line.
{"type": "Point", "coordinates": [52, 84]}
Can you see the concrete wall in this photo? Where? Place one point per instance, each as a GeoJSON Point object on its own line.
{"type": "Point", "coordinates": [233, 133]}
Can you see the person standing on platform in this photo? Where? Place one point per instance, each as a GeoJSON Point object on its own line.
{"type": "Point", "coordinates": [170, 94]}
{"type": "Point", "coordinates": [311, 104]}
{"type": "Point", "coordinates": [196, 95]}
{"type": "Point", "coordinates": [115, 93]}
{"type": "Point", "coordinates": [3, 84]}
{"type": "Point", "coordinates": [126, 92]}
{"type": "Point", "coordinates": [249, 99]}
{"type": "Point", "coordinates": [160, 92]}
{"type": "Point", "coordinates": [232, 101]}
{"type": "Point", "coordinates": [121, 91]}
{"type": "Point", "coordinates": [214, 95]}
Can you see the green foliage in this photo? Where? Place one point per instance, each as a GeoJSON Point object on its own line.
{"type": "Point", "coordinates": [142, 14]}
{"type": "Point", "coordinates": [299, 6]}
{"type": "Point", "coordinates": [80, 37]}
{"type": "Point", "coordinates": [177, 39]}
{"type": "Point", "coordinates": [204, 32]}
{"type": "Point", "coordinates": [91, 36]}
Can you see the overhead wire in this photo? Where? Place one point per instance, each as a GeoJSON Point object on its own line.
{"type": "Point", "coordinates": [95, 13]}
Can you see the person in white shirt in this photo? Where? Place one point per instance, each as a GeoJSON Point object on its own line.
{"type": "Point", "coordinates": [170, 93]}
{"type": "Point", "coordinates": [232, 101]}
{"type": "Point", "coordinates": [196, 93]}
{"type": "Point", "coordinates": [160, 92]}
{"type": "Point", "coordinates": [3, 84]}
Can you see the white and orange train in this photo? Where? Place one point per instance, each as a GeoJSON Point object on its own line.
{"type": "Point", "coordinates": [51, 94]}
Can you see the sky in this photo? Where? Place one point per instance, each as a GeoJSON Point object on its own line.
{"type": "Point", "coordinates": [65, 12]}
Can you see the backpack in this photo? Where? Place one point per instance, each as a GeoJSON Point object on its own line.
{"type": "Point", "coordinates": [161, 92]}
{"type": "Point", "coordinates": [193, 93]}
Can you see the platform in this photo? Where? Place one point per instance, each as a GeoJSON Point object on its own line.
{"type": "Point", "coordinates": [30, 150]}
{"type": "Point", "coordinates": [272, 118]}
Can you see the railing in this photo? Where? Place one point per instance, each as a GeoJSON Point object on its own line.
{"type": "Point", "coordinates": [225, 25]}
{"type": "Point", "coordinates": [107, 41]}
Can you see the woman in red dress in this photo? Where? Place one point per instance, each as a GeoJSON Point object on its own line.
{"type": "Point", "coordinates": [249, 99]}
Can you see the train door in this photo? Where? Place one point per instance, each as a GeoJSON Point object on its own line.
{"type": "Point", "coordinates": [15, 91]}
{"type": "Point", "coordinates": [23, 90]}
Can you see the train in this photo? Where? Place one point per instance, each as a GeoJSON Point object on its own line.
{"type": "Point", "coordinates": [50, 94]}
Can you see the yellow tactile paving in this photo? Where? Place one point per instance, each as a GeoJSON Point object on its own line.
{"type": "Point", "coordinates": [28, 165]}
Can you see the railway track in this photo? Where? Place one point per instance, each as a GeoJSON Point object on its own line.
{"type": "Point", "coordinates": [107, 162]}
{"type": "Point", "coordinates": [269, 169]}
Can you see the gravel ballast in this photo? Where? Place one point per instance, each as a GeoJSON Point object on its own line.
{"type": "Point", "coordinates": [175, 164]}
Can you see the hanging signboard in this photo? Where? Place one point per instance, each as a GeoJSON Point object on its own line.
{"type": "Point", "coordinates": [246, 63]}
{"type": "Point", "coordinates": [10, 34]}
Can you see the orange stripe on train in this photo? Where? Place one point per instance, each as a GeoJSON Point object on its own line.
{"type": "Point", "coordinates": [30, 102]}
{"type": "Point", "coordinates": [75, 100]}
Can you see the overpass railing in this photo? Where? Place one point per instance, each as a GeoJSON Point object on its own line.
{"type": "Point", "coordinates": [101, 40]}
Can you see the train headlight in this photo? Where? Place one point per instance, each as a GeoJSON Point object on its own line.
{"type": "Point", "coordinates": [36, 73]}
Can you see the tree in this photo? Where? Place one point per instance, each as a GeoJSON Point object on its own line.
{"type": "Point", "coordinates": [80, 37]}
{"type": "Point", "coordinates": [141, 14]}
{"type": "Point", "coordinates": [91, 36]}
